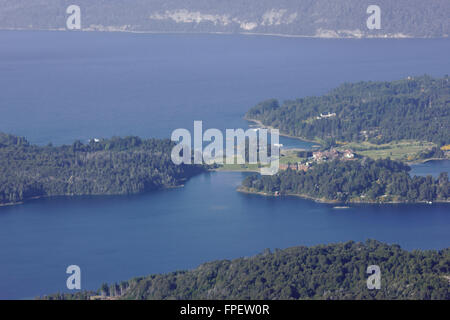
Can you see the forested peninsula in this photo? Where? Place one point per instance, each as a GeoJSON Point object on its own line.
{"type": "Point", "coordinates": [115, 166]}
{"type": "Point", "coordinates": [323, 272]}
{"type": "Point", "coordinates": [354, 181]}
{"type": "Point", "coordinates": [360, 127]}
{"type": "Point", "coordinates": [416, 108]}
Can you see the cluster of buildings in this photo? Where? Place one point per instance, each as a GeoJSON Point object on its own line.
{"type": "Point", "coordinates": [333, 154]}
{"type": "Point", "coordinates": [319, 156]}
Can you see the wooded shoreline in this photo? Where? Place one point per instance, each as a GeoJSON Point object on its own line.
{"type": "Point", "coordinates": [329, 201]}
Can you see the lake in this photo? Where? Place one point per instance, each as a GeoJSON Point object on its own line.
{"type": "Point", "coordinates": [432, 168]}
{"type": "Point", "coordinates": [61, 86]}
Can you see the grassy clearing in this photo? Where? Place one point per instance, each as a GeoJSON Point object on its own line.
{"type": "Point", "coordinates": [405, 150]}
{"type": "Point", "coordinates": [290, 156]}
{"type": "Point", "coordinates": [237, 167]}
{"type": "Point", "coordinates": [286, 156]}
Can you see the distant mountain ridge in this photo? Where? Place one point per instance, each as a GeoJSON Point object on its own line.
{"type": "Point", "coordinates": [312, 18]}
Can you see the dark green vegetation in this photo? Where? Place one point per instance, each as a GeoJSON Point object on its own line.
{"type": "Point", "coordinates": [335, 271]}
{"type": "Point", "coordinates": [115, 166]}
{"type": "Point", "coordinates": [433, 153]}
{"type": "Point", "coordinates": [380, 112]}
{"type": "Point", "coordinates": [320, 18]}
{"type": "Point", "coordinates": [354, 181]}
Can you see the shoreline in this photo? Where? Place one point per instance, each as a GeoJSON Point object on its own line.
{"type": "Point", "coordinates": [231, 170]}
{"type": "Point", "coordinates": [328, 201]}
{"type": "Point", "coordinates": [117, 29]}
{"type": "Point", "coordinates": [422, 161]}
{"type": "Point", "coordinates": [319, 200]}
{"type": "Point", "coordinates": [259, 123]}
{"type": "Point", "coordinates": [72, 196]}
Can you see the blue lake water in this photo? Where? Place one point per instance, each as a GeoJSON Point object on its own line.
{"type": "Point", "coordinates": [115, 238]}
{"type": "Point", "coordinates": [432, 168]}
{"type": "Point", "coordinates": [62, 86]}
{"type": "Point", "coordinates": [58, 87]}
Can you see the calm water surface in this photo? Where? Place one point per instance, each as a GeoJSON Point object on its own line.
{"type": "Point", "coordinates": [59, 87]}
{"type": "Point", "coordinates": [113, 238]}
{"type": "Point", "coordinates": [433, 168]}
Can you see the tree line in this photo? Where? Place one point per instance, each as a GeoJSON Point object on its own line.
{"type": "Point", "coordinates": [328, 272]}
{"type": "Point", "coordinates": [379, 112]}
{"type": "Point", "coordinates": [362, 180]}
{"type": "Point", "coordinates": [102, 167]}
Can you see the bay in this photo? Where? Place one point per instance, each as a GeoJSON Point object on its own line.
{"type": "Point", "coordinates": [62, 86]}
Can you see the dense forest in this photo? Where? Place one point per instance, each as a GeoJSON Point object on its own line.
{"type": "Point", "coordinates": [380, 112]}
{"type": "Point", "coordinates": [102, 167]}
{"type": "Point", "coordinates": [433, 153]}
{"type": "Point", "coordinates": [363, 180]}
{"type": "Point", "coordinates": [334, 271]}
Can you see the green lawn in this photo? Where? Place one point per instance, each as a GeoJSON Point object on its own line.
{"type": "Point", "coordinates": [286, 156]}
{"type": "Point", "coordinates": [405, 150]}
{"type": "Point", "coordinates": [290, 156]}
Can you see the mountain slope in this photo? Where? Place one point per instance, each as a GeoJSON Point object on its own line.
{"type": "Point", "coordinates": [318, 18]}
